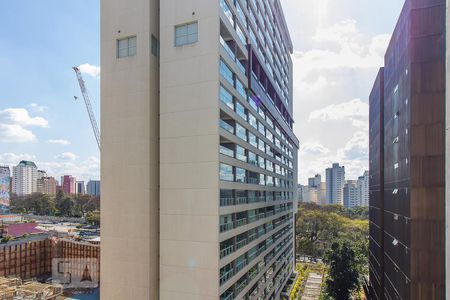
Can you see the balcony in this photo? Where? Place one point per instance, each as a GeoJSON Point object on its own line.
{"type": "Point", "coordinates": [226, 227]}
{"type": "Point", "coordinates": [240, 222]}
{"type": "Point", "coordinates": [226, 276]}
{"type": "Point", "coordinates": [226, 201]}
{"type": "Point", "coordinates": [226, 251]}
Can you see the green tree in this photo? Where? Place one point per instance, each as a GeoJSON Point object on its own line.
{"type": "Point", "coordinates": [343, 277]}
{"type": "Point", "coordinates": [59, 196]}
{"type": "Point", "coordinates": [93, 217]}
{"type": "Point", "coordinates": [66, 207]}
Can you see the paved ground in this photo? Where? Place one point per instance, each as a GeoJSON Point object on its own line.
{"type": "Point", "coordinates": [312, 287]}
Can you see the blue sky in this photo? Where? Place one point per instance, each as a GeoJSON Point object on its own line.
{"type": "Point", "coordinates": [40, 42]}
{"type": "Point", "coordinates": [339, 45]}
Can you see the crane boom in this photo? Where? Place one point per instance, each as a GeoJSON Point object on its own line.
{"type": "Point", "coordinates": [87, 101]}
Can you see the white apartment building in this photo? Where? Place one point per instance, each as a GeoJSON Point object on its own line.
{"type": "Point", "coordinates": [351, 194]}
{"type": "Point", "coordinates": [199, 159]}
{"type": "Point", "coordinates": [24, 178]}
{"type": "Point", "coordinates": [363, 189]}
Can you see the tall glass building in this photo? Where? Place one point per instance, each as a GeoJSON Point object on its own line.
{"type": "Point", "coordinates": [199, 159]}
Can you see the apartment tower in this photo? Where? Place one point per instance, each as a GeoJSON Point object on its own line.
{"type": "Point", "coordinates": [199, 159]}
{"type": "Point", "coordinates": [24, 178]}
{"type": "Point", "coordinates": [407, 159]}
{"type": "Point", "coordinates": [335, 180]}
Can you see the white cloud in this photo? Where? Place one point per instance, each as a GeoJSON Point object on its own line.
{"type": "Point", "coordinates": [354, 110]}
{"type": "Point", "coordinates": [15, 134]}
{"type": "Point", "coordinates": [59, 142]}
{"type": "Point", "coordinates": [37, 107]}
{"type": "Point", "coordinates": [20, 116]}
{"type": "Point", "coordinates": [81, 169]}
{"type": "Point", "coordinates": [89, 69]}
{"type": "Point", "coordinates": [14, 159]}
{"type": "Point", "coordinates": [340, 46]}
{"type": "Point", "coordinates": [67, 156]}
{"type": "Point", "coordinates": [315, 148]}
{"type": "Point", "coordinates": [13, 123]}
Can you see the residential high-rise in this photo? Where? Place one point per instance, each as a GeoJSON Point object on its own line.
{"type": "Point", "coordinates": [363, 189]}
{"type": "Point", "coordinates": [315, 181]}
{"type": "Point", "coordinates": [308, 194]}
{"type": "Point", "coordinates": [68, 184]}
{"type": "Point", "coordinates": [40, 175]}
{"type": "Point", "coordinates": [351, 194]}
{"type": "Point", "coordinates": [93, 188]}
{"type": "Point", "coordinates": [335, 180]}
{"type": "Point", "coordinates": [407, 159]}
{"type": "Point", "coordinates": [24, 179]}
{"type": "Point", "coordinates": [199, 159]}
{"type": "Point", "coordinates": [80, 188]}
{"type": "Point", "coordinates": [47, 185]}
{"type": "Point", "coordinates": [5, 183]}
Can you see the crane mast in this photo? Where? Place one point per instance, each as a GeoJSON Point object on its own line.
{"type": "Point", "coordinates": [87, 101]}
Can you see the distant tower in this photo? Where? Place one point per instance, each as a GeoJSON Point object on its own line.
{"type": "Point", "coordinates": [351, 194]}
{"type": "Point", "coordinates": [24, 179]}
{"type": "Point", "coordinates": [68, 184]}
{"type": "Point", "coordinates": [363, 190]}
{"type": "Point", "coordinates": [335, 177]}
{"type": "Point", "coordinates": [93, 188]}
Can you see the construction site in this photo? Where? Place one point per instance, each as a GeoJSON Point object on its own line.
{"type": "Point", "coordinates": [15, 289]}
{"type": "Point", "coordinates": [28, 261]}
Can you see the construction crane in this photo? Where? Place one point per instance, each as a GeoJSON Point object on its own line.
{"type": "Point", "coordinates": [87, 101]}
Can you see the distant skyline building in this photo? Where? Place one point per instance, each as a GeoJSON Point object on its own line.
{"type": "Point", "coordinates": [93, 188]}
{"type": "Point", "coordinates": [351, 195]}
{"type": "Point", "coordinates": [335, 180]}
{"type": "Point", "coordinates": [68, 184]}
{"type": "Point", "coordinates": [5, 185]}
{"type": "Point", "coordinates": [407, 153]}
{"type": "Point", "coordinates": [80, 188]}
{"type": "Point", "coordinates": [363, 189]}
{"type": "Point", "coordinates": [47, 185]}
{"type": "Point", "coordinates": [315, 181]}
{"type": "Point", "coordinates": [308, 194]}
{"type": "Point", "coordinates": [24, 178]}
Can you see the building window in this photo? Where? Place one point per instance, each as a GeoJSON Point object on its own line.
{"type": "Point", "coordinates": [126, 47]}
{"type": "Point", "coordinates": [186, 34]}
{"type": "Point", "coordinates": [155, 46]}
{"type": "Point", "coordinates": [226, 172]}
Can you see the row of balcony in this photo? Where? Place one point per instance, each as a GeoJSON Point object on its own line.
{"type": "Point", "coordinates": [248, 200]}
{"type": "Point", "coordinates": [227, 226]}
{"type": "Point", "coordinates": [227, 272]}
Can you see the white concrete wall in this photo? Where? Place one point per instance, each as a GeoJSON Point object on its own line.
{"type": "Point", "coordinates": [130, 153]}
{"type": "Point", "coordinates": [189, 146]}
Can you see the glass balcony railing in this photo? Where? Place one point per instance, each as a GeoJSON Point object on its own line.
{"type": "Point", "coordinates": [226, 227]}
{"type": "Point", "coordinates": [226, 251]}
{"type": "Point", "coordinates": [227, 296]}
{"type": "Point", "coordinates": [224, 125]}
{"type": "Point", "coordinates": [241, 244]}
{"type": "Point", "coordinates": [240, 265]}
{"type": "Point", "coordinates": [240, 286]}
{"type": "Point", "coordinates": [240, 222]}
{"type": "Point", "coordinates": [225, 276]}
{"type": "Point", "coordinates": [241, 200]}
{"type": "Point", "coordinates": [226, 201]}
